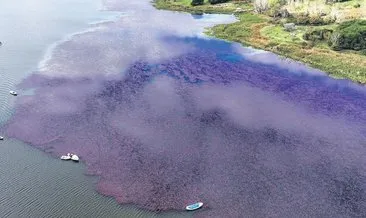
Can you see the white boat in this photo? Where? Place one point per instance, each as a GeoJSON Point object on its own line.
{"type": "Point", "coordinates": [74, 157]}
{"type": "Point", "coordinates": [1, 138]}
{"type": "Point", "coordinates": [194, 206]}
{"type": "Point", "coordinates": [65, 157]}
{"type": "Point", "coordinates": [13, 93]}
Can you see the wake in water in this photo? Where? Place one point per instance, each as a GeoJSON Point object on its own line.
{"type": "Point", "coordinates": [166, 121]}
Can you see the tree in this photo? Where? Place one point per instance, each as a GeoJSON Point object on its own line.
{"type": "Point", "coordinates": [197, 2]}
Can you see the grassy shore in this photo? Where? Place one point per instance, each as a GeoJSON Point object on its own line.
{"type": "Point", "coordinates": [259, 32]}
{"type": "Point", "coordinates": [185, 5]}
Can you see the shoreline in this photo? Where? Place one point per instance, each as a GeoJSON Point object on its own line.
{"type": "Point", "coordinates": [257, 31]}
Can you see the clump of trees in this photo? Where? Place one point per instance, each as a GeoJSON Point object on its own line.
{"type": "Point", "coordinates": [318, 34]}
{"type": "Point", "coordinates": [349, 35]}
{"type": "Point", "coordinates": [312, 19]}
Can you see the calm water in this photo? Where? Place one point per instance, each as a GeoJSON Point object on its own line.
{"type": "Point", "coordinates": [33, 183]}
{"type": "Point", "coordinates": [166, 116]}
{"type": "Point", "coordinates": [28, 30]}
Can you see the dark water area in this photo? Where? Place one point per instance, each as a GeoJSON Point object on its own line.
{"type": "Point", "coordinates": [166, 117]}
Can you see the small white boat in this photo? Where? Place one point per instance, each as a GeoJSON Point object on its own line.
{"type": "Point", "coordinates": [65, 157]}
{"type": "Point", "coordinates": [13, 93]}
{"type": "Point", "coordinates": [74, 157]}
{"type": "Point", "coordinates": [194, 206]}
{"type": "Point", "coordinates": [1, 138]}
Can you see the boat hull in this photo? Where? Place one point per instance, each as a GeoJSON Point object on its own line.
{"type": "Point", "coordinates": [75, 158]}
{"type": "Point", "coordinates": [13, 93]}
{"type": "Point", "coordinates": [65, 158]}
{"type": "Point", "coordinates": [195, 206]}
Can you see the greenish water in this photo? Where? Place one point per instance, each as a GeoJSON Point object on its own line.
{"type": "Point", "coordinates": [33, 183]}
{"type": "Point", "coordinates": [30, 28]}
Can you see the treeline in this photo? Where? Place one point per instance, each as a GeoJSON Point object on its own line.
{"type": "Point", "coordinates": [201, 2]}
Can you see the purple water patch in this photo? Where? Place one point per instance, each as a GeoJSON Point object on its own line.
{"type": "Point", "coordinates": [162, 142]}
{"type": "Point", "coordinates": [206, 123]}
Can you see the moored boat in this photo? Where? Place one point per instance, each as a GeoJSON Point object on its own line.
{"type": "Point", "coordinates": [74, 157]}
{"type": "Point", "coordinates": [194, 206]}
{"type": "Point", "coordinates": [13, 93]}
{"type": "Point", "coordinates": [65, 157]}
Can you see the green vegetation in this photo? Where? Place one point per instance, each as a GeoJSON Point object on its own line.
{"type": "Point", "coordinates": [186, 5]}
{"type": "Point", "coordinates": [197, 2]}
{"type": "Point", "coordinates": [217, 1]}
{"type": "Point", "coordinates": [318, 34]}
{"type": "Point", "coordinates": [311, 43]}
{"type": "Point", "coordinates": [350, 35]}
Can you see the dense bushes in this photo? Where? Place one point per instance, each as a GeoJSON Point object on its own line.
{"type": "Point", "coordinates": [316, 19]}
{"type": "Point", "coordinates": [318, 34]}
{"type": "Point", "coordinates": [197, 2]}
{"type": "Point", "coordinates": [217, 1]}
{"type": "Point", "coordinates": [349, 35]}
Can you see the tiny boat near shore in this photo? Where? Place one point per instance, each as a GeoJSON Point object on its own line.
{"type": "Point", "coordinates": [194, 206]}
{"type": "Point", "coordinates": [66, 157]}
{"type": "Point", "coordinates": [13, 93]}
{"type": "Point", "coordinates": [70, 156]}
{"type": "Point", "coordinates": [74, 157]}
{"type": "Point", "coordinates": [1, 138]}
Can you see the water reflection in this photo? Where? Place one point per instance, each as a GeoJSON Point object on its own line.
{"type": "Point", "coordinates": [166, 118]}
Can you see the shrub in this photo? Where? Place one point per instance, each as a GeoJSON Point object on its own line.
{"type": "Point", "coordinates": [302, 19]}
{"type": "Point", "coordinates": [357, 5]}
{"type": "Point", "coordinates": [197, 2]}
{"type": "Point", "coordinates": [333, 41]}
{"type": "Point", "coordinates": [318, 34]}
{"type": "Point", "coordinates": [217, 1]}
{"type": "Point", "coordinates": [349, 35]}
{"type": "Point", "coordinates": [328, 20]}
{"type": "Point", "coordinates": [317, 19]}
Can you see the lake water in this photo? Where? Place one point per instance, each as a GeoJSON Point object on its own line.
{"type": "Point", "coordinates": [33, 183]}
{"type": "Point", "coordinates": [166, 116]}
